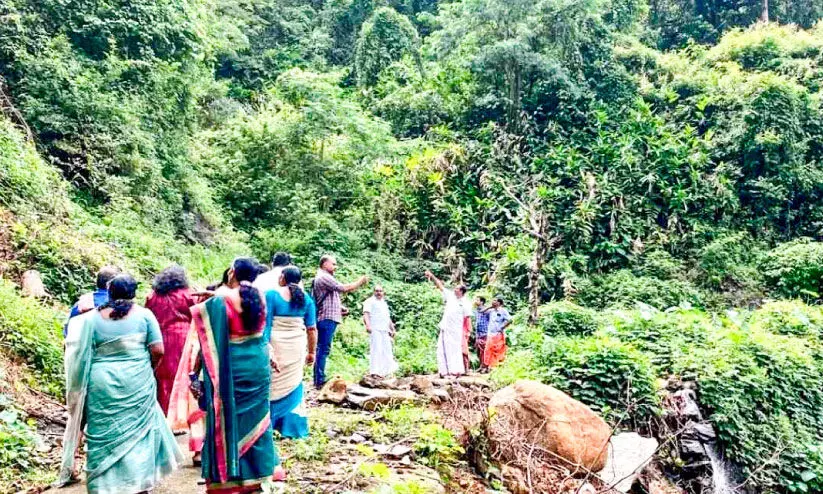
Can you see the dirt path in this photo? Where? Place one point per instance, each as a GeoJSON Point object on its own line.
{"type": "Point", "coordinates": [182, 481]}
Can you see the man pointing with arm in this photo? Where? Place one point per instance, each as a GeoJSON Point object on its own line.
{"type": "Point", "coordinates": [450, 341]}
{"type": "Point", "coordinates": [326, 292]}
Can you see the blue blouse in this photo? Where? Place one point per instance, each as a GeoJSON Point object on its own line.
{"type": "Point", "coordinates": [277, 306]}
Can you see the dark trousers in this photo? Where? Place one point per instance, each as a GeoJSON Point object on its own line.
{"type": "Point", "coordinates": [325, 334]}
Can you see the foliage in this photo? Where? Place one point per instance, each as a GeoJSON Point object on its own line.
{"type": "Point", "coordinates": [730, 261]}
{"type": "Point", "coordinates": [18, 441]}
{"type": "Point", "coordinates": [795, 269]}
{"type": "Point", "coordinates": [437, 447]}
{"type": "Point", "coordinates": [787, 317]}
{"type": "Point", "coordinates": [624, 289]}
{"type": "Point", "coordinates": [612, 377]}
{"type": "Point", "coordinates": [518, 365]}
{"type": "Point", "coordinates": [764, 391]}
{"type": "Point", "coordinates": [32, 332]}
{"type": "Point", "coordinates": [557, 318]}
{"type": "Point", "coordinates": [384, 38]}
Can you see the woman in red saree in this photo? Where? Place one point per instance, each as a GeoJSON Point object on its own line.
{"type": "Point", "coordinates": [170, 301]}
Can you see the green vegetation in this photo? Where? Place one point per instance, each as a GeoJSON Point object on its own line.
{"type": "Point", "coordinates": [641, 175]}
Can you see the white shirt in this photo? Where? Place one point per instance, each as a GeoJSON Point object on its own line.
{"type": "Point", "coordinates": [454, 312]}
{"type": "Point", "coordinates": [379, 315]}
{"type": "Point", "coordinates": [270, 280]}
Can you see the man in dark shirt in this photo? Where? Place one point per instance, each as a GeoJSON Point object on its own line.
{"type": "Point", "coordinates": [95, 299]}
{"type": "Point", "coordinates": [326, 291]}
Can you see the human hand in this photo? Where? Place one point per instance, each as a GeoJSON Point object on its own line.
{"type": "Point", "coordinates": [368, 330]}
{"type": "Point", "coordinates": [392, 333]}
{"type": "Point", "coordinates": [429, 275]}
{"type": "Point", "coordinates": [196, 388]}
{"type": "Point", "coordinates": [274, 366]}
{"type": "Point", "coordinates": [363, 280]}
{"type": "Point", "coordinates": [310, 358]}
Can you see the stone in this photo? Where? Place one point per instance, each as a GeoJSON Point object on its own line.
{"type": "Point", "coordinates": [334, 391]}
{"type": "Point", "coordinates": [692, 449]}
{"type": "Point", "coordinates": [397, 451]}
{"type": "Point", "coordinates": [357, 438]}
{"type": "Point", "coordinates": [369, 399]}
{"type": "Point", "coordinates": [439, 395]}
{"type": "Point", "coordinates": [703, 432]}
{"type": "Point", "coordinates": [32, 284]}
{"type": "Point", "coordinates": [551, 419]}
{"type": "Point", "coordinates": [473, 382]}
{"type": "Point", "coordinates": [441, 382]}
{"type": "Point", "coordinates": [629, 454]}
{"type": "Point", "coordinates": [377, 382]}
{"type": "Point", "coordinates": [663, 486]}
{"type": "Point", "coordinates": [686, 405]}
{"type": "Point", "coordinates": [422, 385]}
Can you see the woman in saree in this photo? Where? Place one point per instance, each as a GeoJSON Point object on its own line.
{"type": "Point", "coordinates": [238, 450]}
{"type": "Point", "coordinates": [110, 387]}
{"type": "Point", "coordinates": [170, 301]}
{"type": "Point", "coordinates": [291, 330]}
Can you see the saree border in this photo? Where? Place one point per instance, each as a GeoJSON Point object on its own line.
{"type": "Point", "coordinates": [208, 348]}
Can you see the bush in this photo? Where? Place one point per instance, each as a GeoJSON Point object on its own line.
{"type": "Point", "coordinates": [730, 262]}
{"type": "Point", "coordinates": [18, 441]}
{"type": "Point", "coordinates": [666, 337]}
{"type": "Point", "coordinates": [518, 365]}
{"type": "Point", "coordinates": [764, 393]}
{"type": "Point", "coordinates": [566, 318]}
{"type": "Point", "coordinates": [610, 376]}
{"type": "Point", "coordinates": [660, 264]}
{"type": "Point", "coordinates": [623, 289]}
{"type": "Point", "coordinates": [795, 269]}
{"type": "Point", "coordinates": [788, 317]}
{"type": "Point", "coordinates": [32, 332]}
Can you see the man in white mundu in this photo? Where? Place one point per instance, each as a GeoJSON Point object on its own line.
{"type": "Point", "coordinates": [377, 318]}
{"type": "Point", "coordinates": [450, 341]}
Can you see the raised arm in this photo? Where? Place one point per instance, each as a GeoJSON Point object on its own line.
{"type": "Point", "coordinates": [434, 279]}
{"type": "Point", "coordinates": [350, 287]}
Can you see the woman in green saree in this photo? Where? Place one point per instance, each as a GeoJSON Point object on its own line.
{"type": "Point", "coordinates": [110, 387]}
{"type": "Point", "coordinates": [238, 452]}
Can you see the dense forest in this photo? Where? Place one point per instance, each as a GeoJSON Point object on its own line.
{"type": "Point", "coordinates": [642, 180]}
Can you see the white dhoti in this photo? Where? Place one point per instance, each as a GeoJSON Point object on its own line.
{"type": "Point", "coordinates": [381, 355]}
{"type": "Point", "coordinates": [450, 341]}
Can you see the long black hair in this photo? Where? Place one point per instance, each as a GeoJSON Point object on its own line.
{"type": "Point", "coordinates": [292, 276]}
{"type": "Point", "coordinates": [122, 290]}
{"type": "Point", "coordinates": [170, 279]}
{"type": "Point", "coordinates": [223, 281]}
{"type": "Point", "coordinates": [245, 272]}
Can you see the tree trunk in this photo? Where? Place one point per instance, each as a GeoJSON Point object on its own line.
{"type": "Point", "coordinates": [765, 15]}
{"type": "Point", "coordinates": [541, 250]}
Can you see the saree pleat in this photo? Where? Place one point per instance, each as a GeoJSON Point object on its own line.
{"type": "Point", "coordinates": [184, 412]}
{"type": "Point", "coordinates": [238, 451]}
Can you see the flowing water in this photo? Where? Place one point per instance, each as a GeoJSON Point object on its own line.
{"type": "Point", "coordinates": [721, 480]}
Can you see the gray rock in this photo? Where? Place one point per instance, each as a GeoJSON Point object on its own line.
{"type": "Point", "coordinates": [369, 399]}
{"type": "Point", "coordinates": [703, 432]}
{"type": "Point", "coordinates": [357, 438]}
{"type": "Point", "coordinates": [691, 448]}
{"type": "Point", "coordinates": [629, 454]}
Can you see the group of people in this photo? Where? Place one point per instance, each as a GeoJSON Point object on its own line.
{"type": "Point", "coordinates": [224, 364]}
{"type": "Point", "coordinates": [455, 330]}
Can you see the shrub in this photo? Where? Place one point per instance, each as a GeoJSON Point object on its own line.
{"type": "Point", "coordinates": [437, 447]}
{"type": "Point", "coordinates": [666, 337]}
{"type": "Point", "coordinates": [730, 262]}
{"type": "Point", "coordinates": [17, 444]}
{"type": "Point", "coordinates": [623, 289]}
{"type": "Point", "coordinates": [788, 317]}
{"type": "Point", "coordinates": [610, 376]}
{"type": "Point", "coordinates": [32, 332]}
{"type": "Point", "coordinates": [518, 365]}
{"type": "Point", "coordinates": [764, 393]}
{"type": "Point", "coordinates": [795, 269]}
{"type": "Point", "coordinates": [660, 264]}
{"type": "Point", "coordinates": [566, 318]}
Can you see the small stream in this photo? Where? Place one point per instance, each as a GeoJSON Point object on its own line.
{"type": "Point", "coordinates": [721, 479]}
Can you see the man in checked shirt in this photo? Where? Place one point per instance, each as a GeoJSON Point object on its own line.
{"type": "Point", "coordinates": [326, 291]}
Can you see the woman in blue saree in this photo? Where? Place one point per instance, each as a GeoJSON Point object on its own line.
{"type": "Point", "coordinates": [292, 335]}
{"type": "Point", "coordinates": [110, 386]}
{"type": "Point", "coordinates": [238, 451]}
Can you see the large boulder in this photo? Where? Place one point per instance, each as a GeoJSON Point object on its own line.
{"type": "Point", "coordinates": [529, 412]}
{"type": "Point", "coordinates": [32, 284]}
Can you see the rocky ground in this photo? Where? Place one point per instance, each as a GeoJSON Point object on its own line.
{"type": "Point", "coordinates": [427, 435]}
